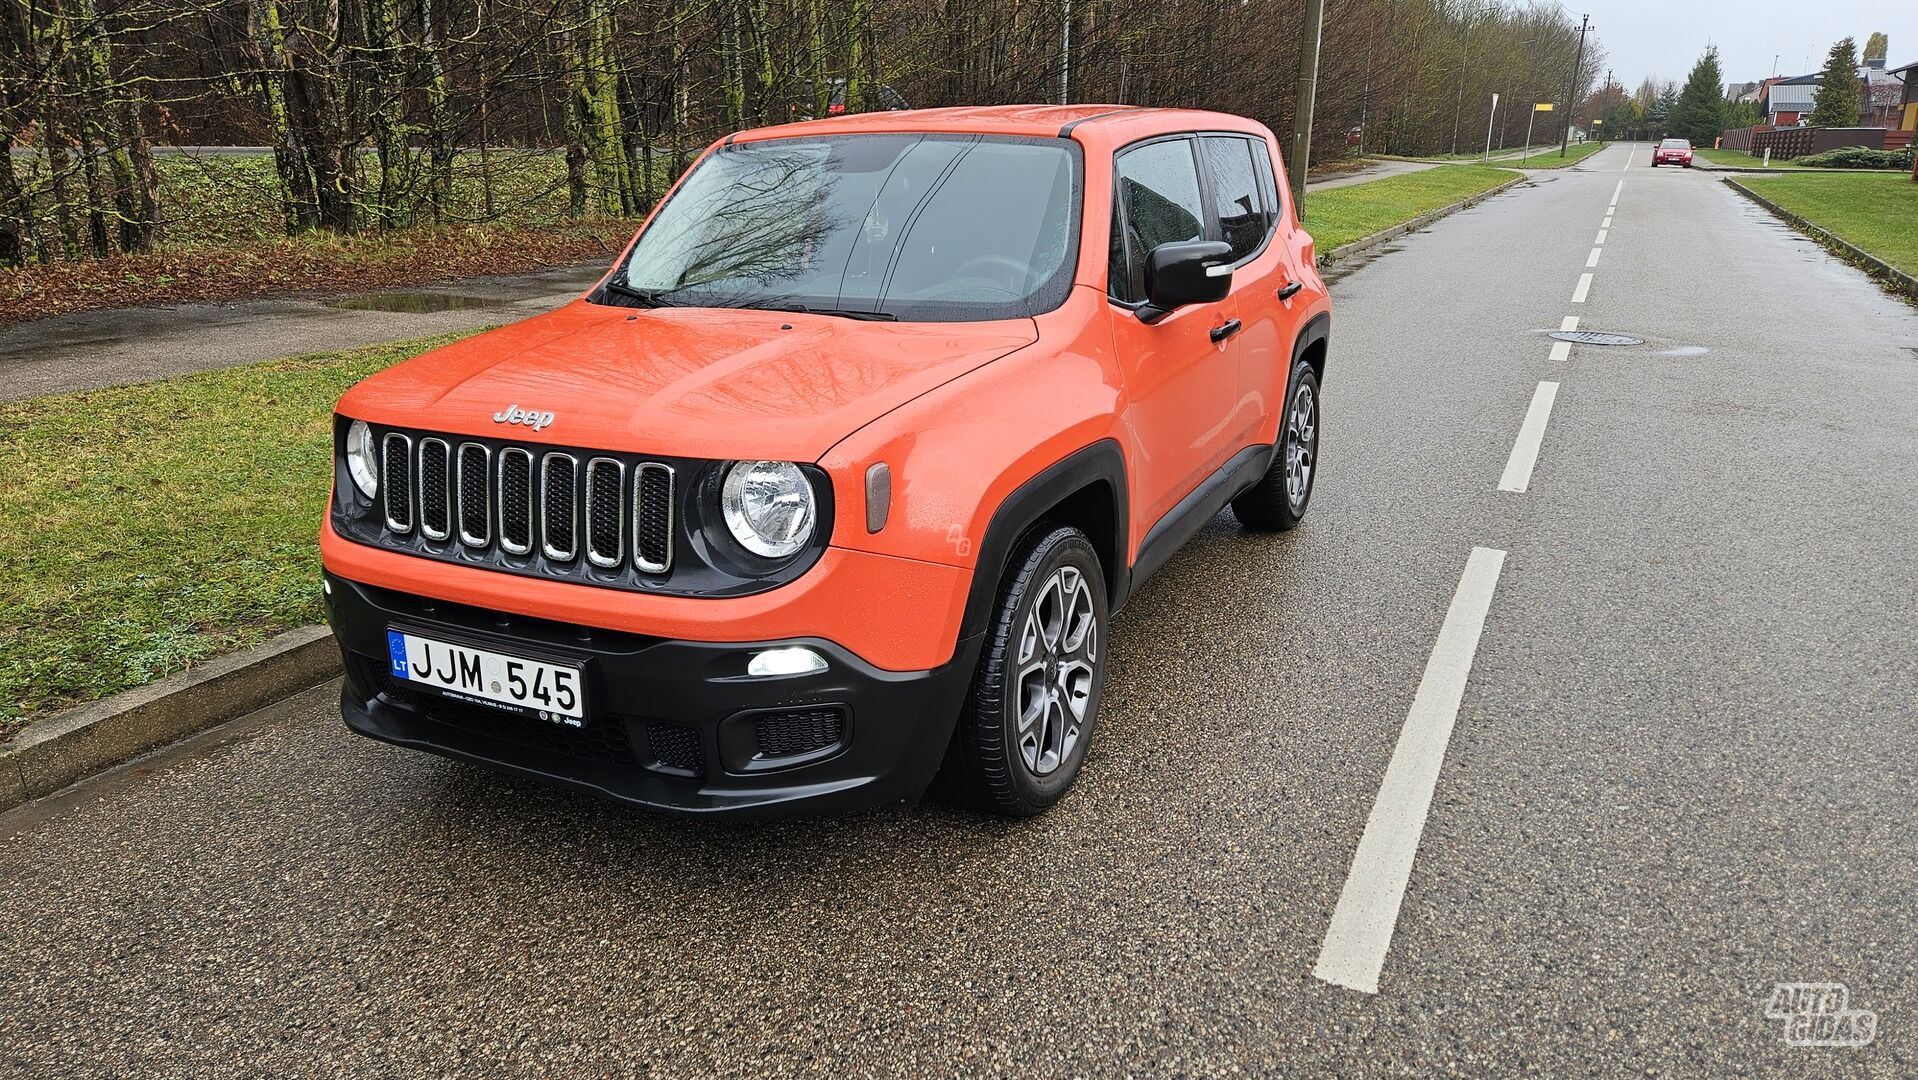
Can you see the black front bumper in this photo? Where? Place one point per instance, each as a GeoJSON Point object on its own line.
{"type": "Point", "coordinates": [671, 725]}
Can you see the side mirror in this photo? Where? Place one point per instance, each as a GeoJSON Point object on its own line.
{"type": "Point", "coordinates": [1185, 272]}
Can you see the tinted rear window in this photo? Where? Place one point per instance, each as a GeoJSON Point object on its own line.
{"type": "Point", "coordinates": [1238, 199]}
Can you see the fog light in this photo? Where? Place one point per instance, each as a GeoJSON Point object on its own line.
{"type": "Point", "coordinates": [791, 660]}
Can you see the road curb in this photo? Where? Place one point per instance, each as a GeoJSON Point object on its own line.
{"type": "Point", "coordinates": [70, 746]}
{"type": "Point", "coordinates": [1366, 243]}
{"type": "Point", "coordinates": [1890, 276]}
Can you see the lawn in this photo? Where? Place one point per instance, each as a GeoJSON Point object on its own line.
{"type": "Point", "coordinates": [1342, 215]}
{"type": "Point", "coordinates": [1737, 159]}
{"type": "Point", "coordinates": [1877, 211]}
{"type": "Point", "coordinates": [223, 238]}
{"type": "Point", "coordinates": [147, 528]}
{"type": "Point", "coordinates": [1549, 159]}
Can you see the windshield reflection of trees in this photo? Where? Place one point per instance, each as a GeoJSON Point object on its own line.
{"type": "Point", "coordinates": [766, 228]}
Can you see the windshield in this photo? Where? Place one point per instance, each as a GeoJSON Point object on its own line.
{"type": "Point", "coordinates": [913, 227]}
{"type": "Point", "coordinates": [1675, 144]}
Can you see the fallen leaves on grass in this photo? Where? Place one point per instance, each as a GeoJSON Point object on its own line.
{"type": "Point", "coordinates": [191, 275]}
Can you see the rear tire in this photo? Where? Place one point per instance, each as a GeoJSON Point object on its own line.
{"type": "Point", "coordinates": [1028, 717]}
{"type": "Point", "coordinates": [1279, 500]}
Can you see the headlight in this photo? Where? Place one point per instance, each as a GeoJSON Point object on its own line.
{"type": "Point", "coordinates": [768, 505]}
{"type": "Point", "coordinates": [362, 461]}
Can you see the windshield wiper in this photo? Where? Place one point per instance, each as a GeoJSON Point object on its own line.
{"type": "Point", "coordinates": [840, 313]}
{"type": "Point", "coordinates": [644, 297]}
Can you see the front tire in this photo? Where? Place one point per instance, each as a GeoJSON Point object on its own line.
{"type": "Point", "coordinates": [1034, 700]}
{"type": "Point", "coordinates": [1278, 501]}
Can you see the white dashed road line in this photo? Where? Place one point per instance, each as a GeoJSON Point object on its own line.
{"type": "Point", "coordinates": [1584, 286]}
{"type": "Point", "coordinates": [1592, 259]}
{"type": "Point", "coordinates": [1601, 234]}
{"type": "Point", "coordinates": [1562, 350]}
{"type": "Point", "coordinates": [1607, 223]}
{"type": "Point", "coordinates": [1518, 467]}
{"type": "Point", "coordinates": [1360, 933]}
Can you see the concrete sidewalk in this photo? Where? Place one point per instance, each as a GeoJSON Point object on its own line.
{"type": "Point", "coordinates": [92, 349]}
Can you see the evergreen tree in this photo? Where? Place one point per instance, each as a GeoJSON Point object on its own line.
{"type": "Point", "coordinates": [1699, 112]}
{"type": "Point", "coordinates": [1839, 101]}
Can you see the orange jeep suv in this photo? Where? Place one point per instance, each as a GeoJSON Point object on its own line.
{"type": "Point", "coordinates": [836, 480]}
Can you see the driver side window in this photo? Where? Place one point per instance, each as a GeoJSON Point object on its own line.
{"type": "Point", "coordinates": [1157, 201]}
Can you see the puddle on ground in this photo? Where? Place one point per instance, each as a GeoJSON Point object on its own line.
{"type": "Point", "coordinates": [414, 302]}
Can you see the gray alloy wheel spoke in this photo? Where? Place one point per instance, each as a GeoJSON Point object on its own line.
{"type": "Point", "coordinates": [1058, 648]}
{"type": "Point", "coordinates": [1301, 431]}
{"type": "Point", "coordinates": [1032, 694]}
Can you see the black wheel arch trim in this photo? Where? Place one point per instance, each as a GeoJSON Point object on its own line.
{"type": "Point", "coordinates": [1029, 504]}
{"type": "Point", "coordinates": [1317, 329]}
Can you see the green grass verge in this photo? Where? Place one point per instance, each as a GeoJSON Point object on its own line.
{"type": "Point", "coordinates": [1737, 159]}
{"type": "Point", "coordinates": [1341, 215]}
{"type": "Point", "coordinates": [1550, 159]}
{"type": "Point", "coordinates": [1877, 211]}
{"type": "Point", "coordinates": [147, 528]}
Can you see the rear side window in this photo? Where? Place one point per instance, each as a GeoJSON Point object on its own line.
{"type": "Point", "coordinates": [1238, 198]}
{"type": "Point", "coordinates": [1158, 203]}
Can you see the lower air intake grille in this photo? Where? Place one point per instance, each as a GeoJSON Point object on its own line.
{"type": "Point", "coordinates": [675, 747]}
{"type": "Point", "coordinates": [802, 731]}
{"type": "Point", "coordinates": [602, 739]}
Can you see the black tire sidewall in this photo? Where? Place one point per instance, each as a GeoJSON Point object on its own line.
{"type": "Point", "coordinates": [1000, 776]}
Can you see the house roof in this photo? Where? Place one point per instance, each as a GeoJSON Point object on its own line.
{"type": "Point", "coordinates": [1801, 80]}
{"type": "Point", "coordinates": [1792, 97]}
{"type": "Point", "coordinates": [1902, 70]}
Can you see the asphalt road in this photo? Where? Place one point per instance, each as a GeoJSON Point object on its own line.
{"type": "Point", "coordinates": [1680, 771]}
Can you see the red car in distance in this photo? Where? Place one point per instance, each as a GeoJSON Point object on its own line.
{"type": "Point", "coordinates": [1673, 152]}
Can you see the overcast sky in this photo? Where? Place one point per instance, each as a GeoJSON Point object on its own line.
{"type": "Point", "coordinates": [1665, 37]}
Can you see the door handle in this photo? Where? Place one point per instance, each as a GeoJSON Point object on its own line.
{"type": "Point", "coordinates": [1224, 330]}
{"type": "Point", "coordinates": [1290, 290]}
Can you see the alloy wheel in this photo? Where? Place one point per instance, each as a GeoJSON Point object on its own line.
{"type": "Point", "coordinates": [1301, 445]}
{"type": "Point", "coordinates": [1057, 658]}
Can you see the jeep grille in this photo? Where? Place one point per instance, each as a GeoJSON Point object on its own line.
{"type": "Point", "coordinates": [517, 500]}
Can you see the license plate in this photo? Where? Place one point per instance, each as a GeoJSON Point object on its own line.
{"type": "Point", "coordinates": [552, 691]}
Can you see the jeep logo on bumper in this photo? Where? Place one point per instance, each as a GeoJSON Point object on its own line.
{"type": "Point", "coordinates": [513, 414]}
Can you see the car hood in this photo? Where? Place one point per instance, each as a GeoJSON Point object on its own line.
{"type": "Point", "coordinates": [687, 382]}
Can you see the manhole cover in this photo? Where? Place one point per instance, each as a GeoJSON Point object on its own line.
{"type": "Point", "coordinates": [1594, 337]}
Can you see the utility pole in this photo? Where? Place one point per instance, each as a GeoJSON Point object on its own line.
{"type": "Point", "coordinates": [1301, 156]}
{"type": "Point", "coordinates": [1565, 130]}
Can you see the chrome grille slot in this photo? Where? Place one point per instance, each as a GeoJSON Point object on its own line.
{"type": "Point", "coordinates": [605, 491]}
{"type": "Point", "coordinates": [396, 483]}
{"type": "Point", "coordinates": [436, 493]}
{"type": "Point", "coordinates": [515, 501]}
{"type": "Point", "coordinates": [559, 506]}
{"type": "Point", "coordinates": [653, 517]}
{"type": "Point", "coordinates": [475, 496]}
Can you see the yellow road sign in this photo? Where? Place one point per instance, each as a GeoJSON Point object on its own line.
{"type": "Point", "coordinates": [1543, 106]}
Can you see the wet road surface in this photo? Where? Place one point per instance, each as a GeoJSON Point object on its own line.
{"type": "Point", "coordinates": [1680, 771]}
